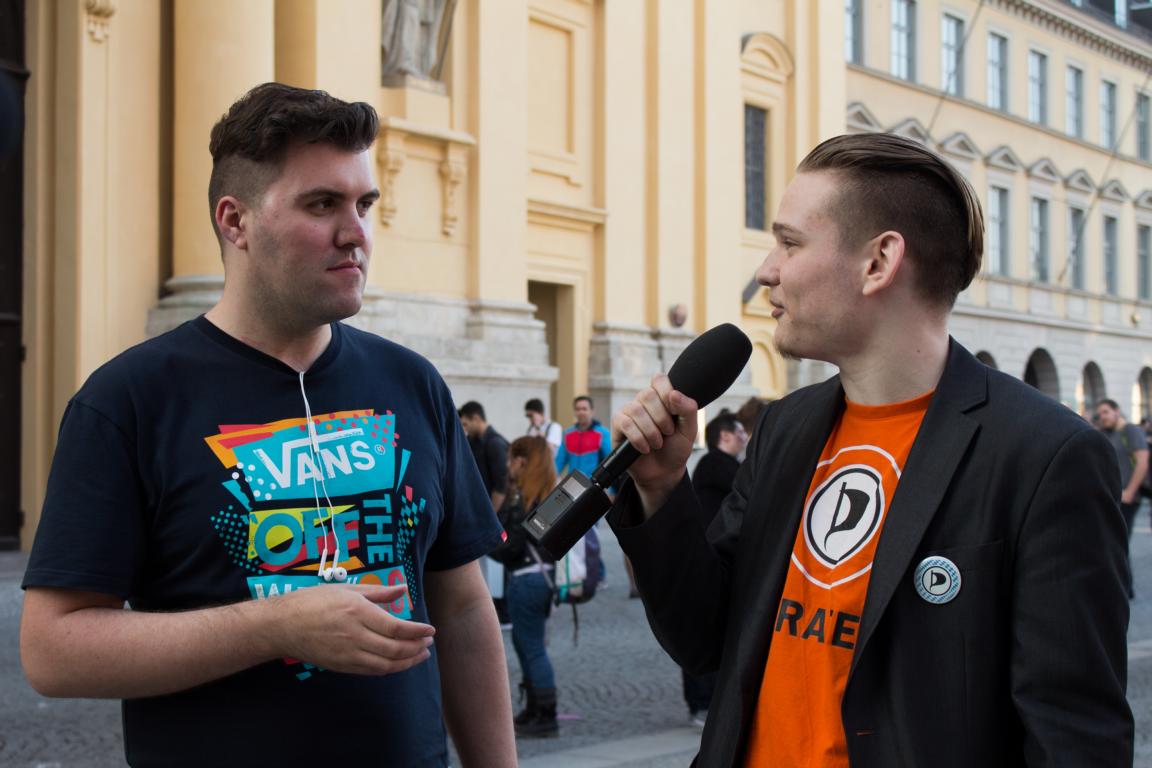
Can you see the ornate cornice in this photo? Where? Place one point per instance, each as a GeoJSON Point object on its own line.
{"type": "Point", "coordinates": [99, 13]}
{"type": "Point", "coordinates": [1071, 24]}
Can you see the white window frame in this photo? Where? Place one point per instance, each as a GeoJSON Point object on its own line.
{"type": "Point", "coordinates": [1110, 256]}
{"type": "Point", "coordinates": [1037, 86]}
{"type": "Point", "coordinates": [999, 229]}
{"type": "Point", "coordinates": [1108, 113]}
{"type": "Point", "coordinates": [1076, 244]}
{"type": "Point", "coordinates": [1144, 261]}
{"type": "Point", "coordinates": [1040, 239]}
{"type": "Point", "coordinates": [903, 34]}
{"type": "Point", "coordinates": [1144, 127]}
{"type": "Point", "coordinates": [952, 59]}
{"type": "Point", "coordinates": [854, 31]}
{"type": "Point", "coordinates": [997, 75]}
{"type": "Point", "coordinates": [1074, 101]}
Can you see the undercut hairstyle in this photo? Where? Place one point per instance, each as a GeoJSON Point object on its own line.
{"type": "Point", "coordinates": [250, 142]}
{"type": "Point", "coordinates": [725, 422]}
{"type": "Point", "coordinates": [890, 182]}
{"type": "Point", "coordinates": [535, 405]}
{"type": "Point", "coordinates": [471, 410]}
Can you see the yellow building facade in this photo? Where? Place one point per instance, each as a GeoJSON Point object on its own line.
{"type": "Point", "coordinates": [578, 189]}
{"type": "Point", "coordinates": [1044, 106]}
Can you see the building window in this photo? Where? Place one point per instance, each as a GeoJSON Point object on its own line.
{"type": "Point", "coordinates": [998, 72]}
{"type": "Point", "coordinates": [998, 231]}
{"type": "Point", "coordinates": [952, 62]}
{"type": "Point", "coordinates": [1107, 113]}
{"type": "Point", "coordinates": [1039, 239]}
{"type": "Point", "coordinates": [1144, 127]}
{"type": "Point", "coordinates": [854, 31]}
{"type": "Point", "coordinates": [1110, 260]}
{"type": "Point", "coordinates": [1144, 262]}
{"type": "Point", "coordinates": [1076, 246]}
{"type": "Point", "coordinates": [1037, 87]}
{"type": "Point", "coordinates": [755, 135]}
{"type": "Point", "coordinates": [904, 39]}
{"type": "Point", "coordinates": [1120, 8]}
{"type": "Point", "coordinates": [1074, 106]}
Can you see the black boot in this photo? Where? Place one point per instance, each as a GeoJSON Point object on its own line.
{"type": "Point", "coordinates": [543, 722]}
{"type": "Point", "coordinates": [528, 714]}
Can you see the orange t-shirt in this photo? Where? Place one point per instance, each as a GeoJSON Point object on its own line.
{"type": "Point", "coordinates": [797, 722]}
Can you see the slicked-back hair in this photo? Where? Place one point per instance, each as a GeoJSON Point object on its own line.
{"type": "Point", "coordinates": [726, 421]}
{"type": "Point", "coordinates": [471, 410]}
{"type": "Point", "coordinates": [250, 141]}
{"type": "Point", "coordinates": [890, 182]}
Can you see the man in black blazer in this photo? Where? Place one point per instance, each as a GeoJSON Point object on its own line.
{"type": "Point", "coordinates": [980, 527]}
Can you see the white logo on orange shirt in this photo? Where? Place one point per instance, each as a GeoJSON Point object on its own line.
{"type": "Point", "coordinates": [844, 513]}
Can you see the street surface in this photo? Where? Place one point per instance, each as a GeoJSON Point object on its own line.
{"type": "Point", "coordinates": [620, 699]}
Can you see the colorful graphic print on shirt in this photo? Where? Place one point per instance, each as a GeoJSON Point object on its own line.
{"type": "Point", "coordinates": [279, 524]}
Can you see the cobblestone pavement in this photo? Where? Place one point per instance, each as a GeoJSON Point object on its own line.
{"type": "Point", "coordinates": [619, 693]}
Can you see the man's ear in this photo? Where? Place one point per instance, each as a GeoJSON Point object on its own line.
{"type": "Point", "coordinates": [232, 221]}
{"type": "Point", "coordinates": [885, 257]}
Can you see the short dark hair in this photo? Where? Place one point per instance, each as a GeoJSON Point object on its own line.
{"type": "Point", "coordinates": [250, 141]}
{"type": "Point", "coordinates": [1108, 402]}
{"type": "Point", "coordinates": [472, 409]}
{"type": "Point", "coordinates": [535, 405]}
{"type": "Point", "coordinates": [578, 398]}
{"type": "Point", "coordinates": [726, 421]}
{"type": "Point", "coordinates": [892, 182]}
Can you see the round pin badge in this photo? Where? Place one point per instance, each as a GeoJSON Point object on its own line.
{"type": "Point", "coordinates": [937, 580]}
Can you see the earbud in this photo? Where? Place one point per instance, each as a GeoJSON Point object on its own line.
{"type": "Point", "coordinates": [339, 573]}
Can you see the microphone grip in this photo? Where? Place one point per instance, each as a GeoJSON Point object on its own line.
{"type": "Point", "coordinates": [615, 465]}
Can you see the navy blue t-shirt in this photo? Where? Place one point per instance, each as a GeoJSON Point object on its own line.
{"type": "Point", "coordinates": [183, 478]}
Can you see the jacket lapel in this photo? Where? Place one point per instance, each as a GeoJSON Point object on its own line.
{"type": "Point", "coordinates": [777, 501]}
{"type": "Point", "coordinates": [940, 445]}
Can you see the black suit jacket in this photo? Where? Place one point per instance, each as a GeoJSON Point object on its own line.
{"type": "Point", "coordinates": [1025, 667]}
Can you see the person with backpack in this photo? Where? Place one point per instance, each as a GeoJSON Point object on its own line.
{"type": "Point", "coordinates": [531, 476]}
{"type": "Point", "coordinates": [540, 426]}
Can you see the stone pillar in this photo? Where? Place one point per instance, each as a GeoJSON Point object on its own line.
{"type": "Point", "coordinates": [222, 49]}
{"type": "Point", "coordinates": [493, 351]}
{"type": "Point", "coordinates": [499, 87]}
{"type": "Point", "coordinates": [333, 45]}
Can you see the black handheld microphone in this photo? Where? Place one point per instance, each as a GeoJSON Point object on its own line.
{"type": "Point", "coordinates": [704, 370]}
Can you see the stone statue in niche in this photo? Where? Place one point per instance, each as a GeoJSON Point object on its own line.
{"type": "Point", "coordinates": [415, 39]}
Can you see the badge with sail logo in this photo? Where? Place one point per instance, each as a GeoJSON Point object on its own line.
{"type": "Point", "coordinates": [937, 580]}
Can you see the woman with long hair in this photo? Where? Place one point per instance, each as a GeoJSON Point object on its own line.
{"type": "Point", "coordinates": [531, 477]}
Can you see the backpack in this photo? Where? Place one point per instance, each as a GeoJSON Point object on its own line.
{"type": "Point", "coordinates": [575, 576]}
{"type": "Point", "coordinates": [578, 572]}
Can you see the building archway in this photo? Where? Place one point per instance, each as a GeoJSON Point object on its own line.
{"type": "Point", "coordinates": [1092, 385]}
{"type": "Point", "coordinates": [1144, 393]}
{"type": "Point", "coordinates": [1040, 372]}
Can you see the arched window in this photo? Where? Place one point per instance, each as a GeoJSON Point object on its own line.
{"type": "Point", "coordinates": [1093, 389]}
{"type": "Point", "coordinates": [1040, 372]}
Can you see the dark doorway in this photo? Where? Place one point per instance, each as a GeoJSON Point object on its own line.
{"type": "Point", "coordinates": [13, 77]}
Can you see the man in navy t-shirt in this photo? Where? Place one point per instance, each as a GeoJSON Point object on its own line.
{"type": "Point", "coordinates": [287, 504]}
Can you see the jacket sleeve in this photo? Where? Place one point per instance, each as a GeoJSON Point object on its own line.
{"type": "Point", "coordinates": [496, 454]}
{"type": "Point", "coordinates": [1069, 646]}
{"type": "Point", "coordinates": [684, 571]}
{"type": "Point", "coordinates": [561, 455]}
